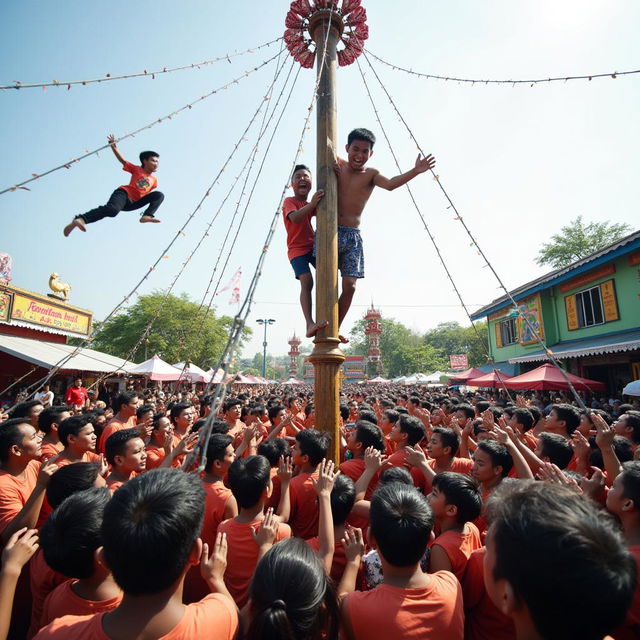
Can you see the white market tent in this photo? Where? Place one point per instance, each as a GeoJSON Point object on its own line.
{"type": "Point", "coordinates": [632, 389]}
{"type": "Point", "coordinates": [155, 368]}
{"type": "Point", "coordinates": [434, 378]}
{"type": "Point", "coordinates": [193, 372]}
{"type": "Point", "coordinates": [378, 380]}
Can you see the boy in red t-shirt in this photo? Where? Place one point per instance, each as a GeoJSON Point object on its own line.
{"type": "Point", "coordinates": [135, 195]}
{"type": "Point", "coordinates": [297, 214]}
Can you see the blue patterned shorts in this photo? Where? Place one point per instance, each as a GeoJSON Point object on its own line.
{"type": "Point", "coordinates": [350, 252]}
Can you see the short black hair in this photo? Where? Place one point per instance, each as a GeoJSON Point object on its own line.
{"type": "Point", "coordinates": [123, 398]}
{"type": "Point", "coordinates": [556, 448]}
{"type": "Point", "coordinates": [569, 414]}
{"type": "Point", "coordinates": [461, 491]}
{"type": "Point", "coordinates": [370, 435]}
{"type": "Point", "coordinates": [248, 478]}
{"type": "Point", "coordinates": [70, 479]}
{"type": "Point", "coordinates": [273, 450]}
{"type": "Point", "coordinates": [622, 447]}
{"type": "Point", "coordinates": [10, 435]}
{"type": "Point", "coordinates": [72, 533]}
{"type": "Point", "coordinates": [116, 444]}
{"type": "Point", "coordinates": [468, 410]}
{"type": "Point", "coordinates": [344, 412]}
{"type": "Point", "coordinates": [157, 515]}
{"type": "Point", "coordinates": [499, 454]}
{"type": "Point", "coordinates": [401, 522]}
{"type": "Point", "coordinates": [313, 443]}
{"type": "Point", "coordinates": [217, 447]}
{"type": "Point", "coordinates": [23, 409]}
{"type": "Point", "coordinates": [361, 134]}
{"type": "Point", "coordinates": [632, 418]}
{"type": "Point", "coordinates": [630, 479]}
{"type": "Point", "coordinates": [274, 410]}
{"type": "Point", "coordinates": [177, 409]}
{"type": "Point", "coordinates": [392, 415]}
{"type": "Point", "coordinates": [524, 418]}
{"type": "Point", "coordinates": [541, 530]}
{"type": "Point", "coordinates": [141, 410]}
{"type": "Point", "coordinates": [343, 497]}
{"type": "Point", "coordinates": [449, 438]}
{"type": "Point", "coordinates": [50, 416]}
{"type": "Point", "coordinates": [482, 405]}
{"type": "Point", "coordinates": [231, 402]}
{"type": "Point", "coordinates": [300, 167]}
{"type": "Point", "coordinates": [367, 415]}
{"type": "Point", "coordinates": [145, 155]}
{"type": "Point", "coordinates": [413, 428]}
{"type": "Point", "coordinates": [396, 474]}
{"type": "Point", "coordinates": [72, 426]}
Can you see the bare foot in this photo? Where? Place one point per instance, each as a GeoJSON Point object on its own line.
{"type": "Point", "coordinates": [149, 219]}
{"type": "Point", "coordinates": [314, 327]}
{"type": "Point", "coordinates": [76, 223]}
{"type": "Point", "coordinates": [342, 339]}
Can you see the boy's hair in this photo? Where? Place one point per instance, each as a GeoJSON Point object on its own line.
{"type": "Point", "coordinates": [10, 435]}
{"type": "Point", "coordinates": [300, 167]}
{"type": "Point", "coordinates": [524, 418]}
{"type": "Point", "coordinates": [392, 415]}
{"type": "Point", "coordinates": [361, 134]}
{"type": "Point", "coordinates": [343, 497]}
{"type": "Point", "coordinates": [632, 418]}
{"type": "Point", "coordinates": [449, 438]}
{"type": "Point", "coordinates": [125, 397]}
{"type": "Point", "coordinates": [367, 415]}
{"type": "Point", "coordinates": [556, 448]}
{"type": "Point", "coordinates": [535, 412]}
{"type": "Point", "coordinates": [116, 444]}
{"type": "Point", "coordinates": [141, 410]}
{"type": "Point", "coordinates": [621, 447]}
{"type": "Point", "coordinates": [49, 416]}
{"type": "Point", "coordinates": [413, 428]}
{"type": "Point", "coordinates": [72, 426]}
{"type": "Point", "coordinates": [370, 435]}
{"type": "Point", "coordinates": [499, 454]}
{"type": "Point", "coordinates": [217, 448]}
{"type": "Point", "coordinates": [482, 405]}
{"type": "Point", "coordinates": [314, 444]}
{"type": "Point", "coordinates": [468, 410]}
{"type": "Point", "coordinates": [344, 412]}
{"type": "Point", "coordinates": [396, 474]}
{"type": "Point", "coordinates": [461, 491]}
{"type": "Point", "coordinates": [177, 409]}
{"type": "Point", "coordinates": [23, 409]}
{"type": "Point", "coordinates": [149, 528]}
{"type": "Point", "coordinates": [562, 558]}
{"type": "Point", "coordinates": [219, 426]}
{"type": "Point", "coordinates": [145, 155]}
{"type": "Point", "coordinates": [630, 479]}
{"type": "Point", "coordinates": [569, 414]}
{"type": "Point", "coordinates": [231, 402]}
{"type": "Point", "coordinates": [401, 522]}
{"type": "Point", "coordinates": [274, 410]}
{"type": "Point", "coordinates": [71, 534]}
{"type": "Point", "coordinates": [273, 450]}
{"type": "Point", "coordinates": [248, 478]}
{"type": "Point", "coordinates": [70, 479]}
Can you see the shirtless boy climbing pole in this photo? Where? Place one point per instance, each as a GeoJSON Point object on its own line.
{"type": "Point", "coordinates": [355, 184]}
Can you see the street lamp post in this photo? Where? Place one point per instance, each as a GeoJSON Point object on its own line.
{"type": "Point", "coordinates": [266, 322]}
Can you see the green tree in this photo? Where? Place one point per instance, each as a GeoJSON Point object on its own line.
{"type": "Point", "coordinates": [180, 332]}
{"type": "Point", "coordinates": [451, 338]}
{"type": "Point", "coordinates": [577, 240]}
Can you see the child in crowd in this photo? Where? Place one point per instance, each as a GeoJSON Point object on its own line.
{"type": "Point", "coordinates": [423, 605]}
{"type": "Point", "coordinates": [355, 185]}
{"type": "Point", "coordinates": [125, 405]}
{"type": "Point", "coordinates": [135, 195]}
{"type": "Point", "coordinates": [555, 565]}
{"type": "Point", "coordinates": [157, 515]}
{"type": "Point", "coordinates": [182, 416]}
{"type": "Point", "coordinates": [388, 420]}
{"type": "Point", "coordinates": [78, 437]}
{"type": "Point", "coordinates": [297, 213]}
{"type": "Point", "coordinates": [162, 442]}
{"type": "Point", "coordinates": [406, 433]}
{"type": "Point", "coordinates": [442, 449]}
{"type": "Point", "coordinates": [48, 422]}
{"type": "Point", "coordinates": [70, 540]}
{"type": "Point", "coordinates": [455, 501]}
{"type": "Point", "coordinates": [126, 454]}
{"type": "Point", "coordinates": [274, 450]}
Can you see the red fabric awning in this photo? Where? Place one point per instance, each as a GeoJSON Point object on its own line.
{"type": "Point", "coordinates": [467, 375]}
{"type": "Point", "coordinates": [494, 379]}
{"type": "Point", "coordinates": [548, 378]}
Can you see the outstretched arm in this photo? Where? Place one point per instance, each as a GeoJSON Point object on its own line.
{"type": "Point", "coordinates": [422, 165]}
{"type": "Point", "coordinates": [308, 209]}
{"type": "Point", "coordinates": [112, 143]}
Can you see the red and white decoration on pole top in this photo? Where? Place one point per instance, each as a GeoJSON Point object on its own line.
{"type": "Point", "coordinates": [299, 41]}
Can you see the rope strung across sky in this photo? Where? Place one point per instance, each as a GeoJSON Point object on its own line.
{"type": "Point", "coordinates": [67, 165]}
{"type": "Point", "coordinates": [530, 82]}
{"type": "Point", "coordinates": [458, 217]}
{"type": "Point", "coordinates": [142, 74]}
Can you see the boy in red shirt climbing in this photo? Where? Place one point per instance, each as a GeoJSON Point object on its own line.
{"type": "Point", "coordinates": [135, 195]}
{"type": "Point", "coordinates": [297, 214]}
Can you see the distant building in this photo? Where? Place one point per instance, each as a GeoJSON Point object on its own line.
{"type": "Point", "coordinates": [588, 313]}
{"type": "Point", "coordinates": [373, 330]}
{"type": "Point", "coordinates": [352, 369]}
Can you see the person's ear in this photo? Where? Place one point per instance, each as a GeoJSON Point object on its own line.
{"type": "Point", "coordinates": [508, 602]}
{"type": "Point", "coordinates": [628, 505]}
{"type": "Point", "coordinates": [346, 148]}
{"type": "Point", "coordinates": [196, 552]}
{"type": "Point", "coordinates": [98, 557]}
{"type": "Point", "coordinates": [117, 460]}
{"type": "Point", "coordinates": [451, 510]}
{"type": "Point", "coordinates": [268, 490]}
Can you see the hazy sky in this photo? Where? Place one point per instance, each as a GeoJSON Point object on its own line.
{"type": "Point", "coordinates": [519, 162]}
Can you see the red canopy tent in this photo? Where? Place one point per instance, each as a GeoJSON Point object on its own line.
{"type": "Point", "coordinates": [548, 378]}
{"type": "Point", "coordinates": [467, 375]}
{"type": "Point", "coordinates": [494, 379]}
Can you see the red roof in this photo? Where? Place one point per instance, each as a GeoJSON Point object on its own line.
{"type": "Point", "coordinates": [494, 379]}
{"type": "Point", "coordinates": [547, 377]}
{"type": "Point", "coordinates": [467, 375]}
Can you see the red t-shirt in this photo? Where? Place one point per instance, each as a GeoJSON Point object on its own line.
{"type": "Point", "coordinates": [141, 182]}
{"type": "Point", "coordinates": [112, 426]}
{"type": "Point", "coordinates": [43, 580]}
{"type": "Point", "coordinates": [214, 614]}
{"type": "Point", "coordinates": [299, 234]}
{"type": "Point", "coordinates": [399, 459]}
{"type": "Point", "coordinates": [76, 396]}
{"type": "Point", "coordinates": [459, 546]}
{"type": "Point", "coordinates": [15, 491]}
{"type": "Point", "coordinates": [304, 506]}
{"type": "Point", "coordinates": [631, 627]}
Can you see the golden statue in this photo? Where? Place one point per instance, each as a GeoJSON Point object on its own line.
{"type": "Point", "coordinates": [60, 289]}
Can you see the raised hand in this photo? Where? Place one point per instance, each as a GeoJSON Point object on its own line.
{"type": "Point", "coordinates": [111, 139]}
{"type": "Point", "coordinates": [47, 469]}
{"type": "Point", "coordinates": [353, 544]}
{"type": "Point", "coordinates": [580, 445]}
{"type": "Point", "coordinates": [488, 419]}
{"type": "Point", "coordinates": [415, 456]}
{"type": "Point", "coordinates": [266, 534]}
{"type": "Point", "coordinates": [316, 197]}
{"type": "Point", "coordinates": [285, 470]}
{"type": "Point", "coordinates": [19, 549]}
{"type": "Point", "coordinates": [104, 466]}
{"type": "Point", "coordinates": [424, 164]}
{"type": "Point", "coordinates": [373, 459]}
{"type": "Point", "coordinates": [593, 486]}
{"type": "Point", "coordinates": [212, 567]}
{"type": "Point", "coordinates": [327, 474]}
{"type": "Point", "coordinates": [604, 433]}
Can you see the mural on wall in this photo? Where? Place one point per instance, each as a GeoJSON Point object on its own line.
{"type": "Point", "coordinates": [531, 309]}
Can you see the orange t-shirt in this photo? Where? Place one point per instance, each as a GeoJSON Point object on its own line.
{"type": "Point", "coordinates": [87, 456]}
{"type": "Point", "coordinates": [530, 440]}
{"type": "Point", "coordinates": [433, 612]}
{"type": "Point", "coordinates": [156, 455]}
{"type": "Point", "coordinates": [354, 468]}
{"type": "Point", "coordinates": [304, 506]}
{"type": "Point", "coordinates": [483, 620]}
{"type": "Point", "coordinates": [399, 459]}
{"type": "Point", "coordinates": [458, 465]}
{"type": "Point", "coordinates": [49, 450]}
{"type": "Point", "coordinates": [217, 496]}
{"type": "Point", "coordinates": [141, 182]}
{"type": "Point", "coordinates": [215, 612]}
{"type": "Point", "coordinates": [43, 580]}
{"type": "Point", "coordinates": [630, 629]}
{"type": "Point", "coordinates": [112, 426]}
{"type": "Point", "coordinates": [15, 491]}
{"type": "Point", "coordinates": [459, 546]}
{"type": "Point", "coordinates": [242, 555]}
{"type": "Point", "coordinates": [299, 234]}
{"type": "Point", "coordinates": [63, 601]}
{"type": "Point", "coordinates": [339, 559]}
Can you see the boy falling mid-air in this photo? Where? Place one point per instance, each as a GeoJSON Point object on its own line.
{"type": "Point", "coordinates": [135, 195]}
{"type": "Point", "coordinates": [355, 185]}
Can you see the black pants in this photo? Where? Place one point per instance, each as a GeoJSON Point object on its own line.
{"type": "Point", "coordinates": [119, 201]}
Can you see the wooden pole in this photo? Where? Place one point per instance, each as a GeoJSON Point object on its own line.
{"type": "Point", "coordinates": [327, 356]}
